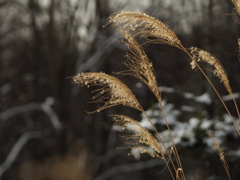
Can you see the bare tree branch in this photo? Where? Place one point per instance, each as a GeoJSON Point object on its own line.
{"type": "Point", "coordinates": [5, 89]}
{"type": "Point", "coordinates": [45, 107]}
{"type": "Point", "coordinates": [17, 147]}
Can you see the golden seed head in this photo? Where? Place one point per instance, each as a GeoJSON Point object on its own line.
{"type": "Point", "coordinates": [139, 135]}
{"type": "Point", "coordinates": [112, 92]}
{"type": "Point", "coordinates": [143, 25]}
{"type": "Point", "coordinates": [199, 55]}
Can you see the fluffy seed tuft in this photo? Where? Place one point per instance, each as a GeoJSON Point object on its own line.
{"type": "Point", "coordinates": [139, 65]}
{"type": "Point", "coordinates": [200, 55]}
{"type": "Point", "coordinates": [220, 152]}
{"type": "Point", "coordinates": [236, 10]}
{"type": "Point", "coordinates": [138, 136]}
{"type": "Point", "coordinates": [112, 91]}
{"type": "Point", "coordinates": [143, 25]}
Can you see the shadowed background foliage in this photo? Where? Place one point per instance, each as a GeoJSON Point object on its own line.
{"type": "Point", "coordinates": [42, 113]}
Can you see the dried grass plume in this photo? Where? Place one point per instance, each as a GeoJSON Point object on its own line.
{"type": "Point", "coordinates": [200, 55]}
{"type": "Point", "coordinates": [139, 64]}
{"type": "Point", "coordinates": [236, 10]}
{"type": "Point", "coordinates": [112, 91]}
{"type": "Point", "coordinates": [143, 25]}
{"type": "Point", "coordinates": [138, 136]}
{"type": "Point", "coordinates": [220, 152]}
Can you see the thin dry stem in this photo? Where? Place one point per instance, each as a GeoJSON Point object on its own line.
{"type": "Point", "coordinates": [220, 152]}
{"type": "Point", "coordinates": [239, 49]}
{"type": "Point", "coordinates": [143, 25]}
{"type": "Point", "coordinates": [174, 148]}
{"type": "Point", "coordinates": [169, 153]}
{"type": "Point", "coordinates": [112, 92]}
{"type": "Point", "coordinates": [179, 174]}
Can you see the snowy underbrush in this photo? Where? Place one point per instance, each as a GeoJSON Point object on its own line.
{"type": "Point", "coordinates": [188, 134]}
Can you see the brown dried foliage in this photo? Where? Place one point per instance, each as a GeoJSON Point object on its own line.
{"type": "Point", "coordinates": [112, 92]}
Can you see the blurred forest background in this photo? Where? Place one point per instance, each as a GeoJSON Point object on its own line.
{"type": "Point", "coordinates": [45, 132]}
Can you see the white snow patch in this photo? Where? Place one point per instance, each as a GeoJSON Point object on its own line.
{"type": "Point", "coordinates": [166, 89]}
{"type": "Point", "coordinates": [189, 95]}
{"type": "Point", "coordinates": [205, 98]}
{"type": "Point", "coordinates": [146, 124]}
{"type": "Point", "coordinates": [139, 85]}
{"type": "Point", "coordinates": [188, 108]}
{"type": "Point", "coordinates": [229, 97]}
{"type": "Point", "coordinates": [206, 124]}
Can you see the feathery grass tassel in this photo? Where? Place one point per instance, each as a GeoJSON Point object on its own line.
{"type": "Point", "coordinates": [139, 65]}
{"type": "Point", "coordinates": [236, 10]}
{"type": "Point", "coordinates": [138, 136]}
{"type": "Point", "coordinates": [220, 152]}
{"type": "Point", "coordinates": [143, 25]}
{"type": "Point", "coordinates": [200, 55]}
{"type": "Point", "coordinates": [112, 92]}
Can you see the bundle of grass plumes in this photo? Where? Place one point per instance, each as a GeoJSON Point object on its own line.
{"type": "Point", "coordinates": [111, 91]}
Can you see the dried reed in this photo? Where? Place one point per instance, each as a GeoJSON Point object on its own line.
{"type": "Point", "coordinates": [236, 11]}
{"type": "Point", "coordinates": [139, 65]}
{"type": "Point", "coordinates": [131, 25]}
{"type": "Point", "coordinates": [200, 55]}
{"type": "Point", "coordinates": [143, 25]}
{"type": "Point", "coordinates": [112, 92]}
{"type": "Point", "coordinates": [220, 152]}
{"type": "Point", "coordinates": [139, 136]}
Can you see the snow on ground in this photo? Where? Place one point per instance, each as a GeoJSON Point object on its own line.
{"type": "Point", "coordinates": [184, 133]}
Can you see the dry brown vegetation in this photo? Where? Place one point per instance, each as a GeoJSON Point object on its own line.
{"type": "Point", "coordinates": [162, 107]}
{"type": "Point", "coordinates": [132, 25]}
